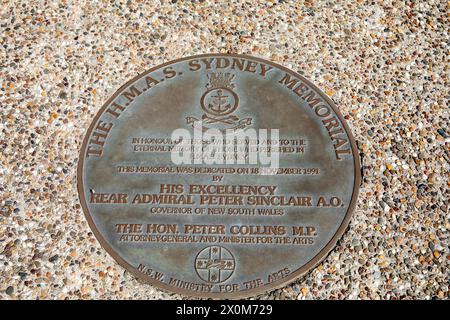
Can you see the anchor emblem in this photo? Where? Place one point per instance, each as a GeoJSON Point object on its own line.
{"type": "Point", "coordinates": [219, 102]}
{"type": "Point", "coordinates": [218, 99]}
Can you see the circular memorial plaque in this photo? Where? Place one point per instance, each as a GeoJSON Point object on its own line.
{"type": "Point", "coordinates": [219, 176]}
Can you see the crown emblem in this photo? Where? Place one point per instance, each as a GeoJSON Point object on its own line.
{"type": "Point", "coordinates": [218, 103]}
{"type": "Point", "coordinates": [220, 80]}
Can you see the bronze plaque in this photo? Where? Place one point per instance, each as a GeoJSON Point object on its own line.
{"type": "Point", "coordinates": [220, 176]}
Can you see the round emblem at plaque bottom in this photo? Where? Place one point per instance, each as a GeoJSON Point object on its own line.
{"type": "Point", "coordinates": [214, 264]}
{"type": "Point", "coordinates": [218, 176]}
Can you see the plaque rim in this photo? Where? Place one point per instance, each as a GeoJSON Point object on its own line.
{"type": "Point", "coordinates": [294, 275]}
